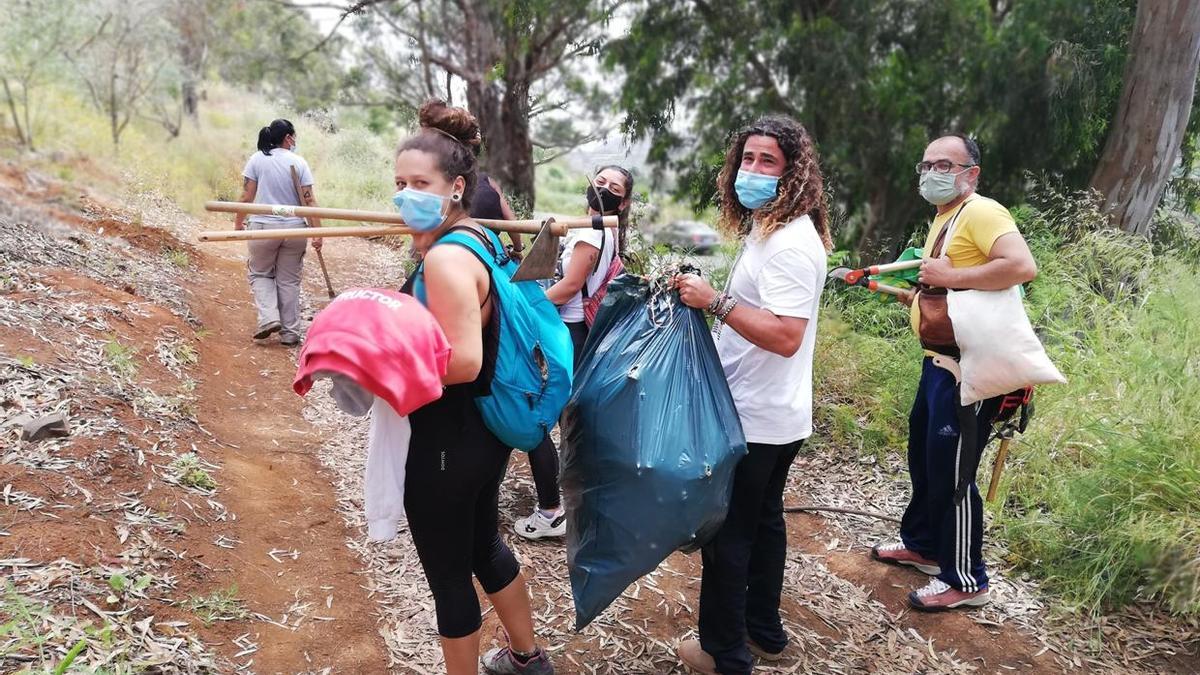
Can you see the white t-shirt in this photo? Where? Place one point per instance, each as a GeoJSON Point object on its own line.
{"type": "Point", "coordinates": [783, 274]}
{"type": "Point", "coordinates": [273, 174]}
{"type": "Point", "coordinates": [606, 242]}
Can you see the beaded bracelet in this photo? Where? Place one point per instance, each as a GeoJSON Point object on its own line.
{"type": "Point", "coordinates": [727, 309]}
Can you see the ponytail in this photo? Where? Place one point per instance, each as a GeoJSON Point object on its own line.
{"type": "Point", "coordinates": [264, 141]}
{"type": "Point", "coordinates": [272, 135]}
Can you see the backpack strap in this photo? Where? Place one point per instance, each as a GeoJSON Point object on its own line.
{"type": "Point", "coordinates": [482, 246]}
{"type": "Point", "coordinates": [479, 243]}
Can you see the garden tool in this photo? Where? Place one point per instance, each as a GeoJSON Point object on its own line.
{"type": "Point", "coordinates": [860, 278]}
{"type": "Point", "coordinates": [854, 277]}
{"type": "Point", "coordinates": [537, 264]}
{"type": "Point", "coordinates": [541, 260]}
{"type": "Point", "coordinates": [305, 198]}
{"type": "Point", "coordinates": [1022, 400]}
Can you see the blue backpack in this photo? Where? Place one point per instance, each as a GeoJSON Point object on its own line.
{"type": "Point", "coordinates": [532, 378]}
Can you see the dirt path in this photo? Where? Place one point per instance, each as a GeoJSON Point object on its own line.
{"type": "Point", "coordinates": [283, 499]}
{"type": "Point", "coordinates": [109, 315]}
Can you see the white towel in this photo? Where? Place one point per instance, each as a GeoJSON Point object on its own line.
{"type": "Point", "coordinates": [387, 452]}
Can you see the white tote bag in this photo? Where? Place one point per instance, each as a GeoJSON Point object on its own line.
{"type": "Point", "coordinates": [1000, 352]}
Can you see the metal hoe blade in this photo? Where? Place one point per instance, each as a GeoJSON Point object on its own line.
{"type": "Point", "coordinates": [542, 259]}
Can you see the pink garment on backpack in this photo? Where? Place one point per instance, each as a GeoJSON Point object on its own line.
{"type": "Point", "coordinates": [385, 341]}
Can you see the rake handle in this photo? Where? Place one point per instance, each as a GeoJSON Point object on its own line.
{"type": "Point", "coordinates": [998, 468]}
{"type": "Point", "coordinates": [560, 226]}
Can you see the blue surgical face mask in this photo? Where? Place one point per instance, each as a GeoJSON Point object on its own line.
{"type": "Point", "coordinates": [755, 189]}
{"type": "Point", "coordinates": [422, 211]}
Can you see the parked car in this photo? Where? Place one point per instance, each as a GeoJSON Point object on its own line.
{"type": "Point", "coordinates": [689, 235]}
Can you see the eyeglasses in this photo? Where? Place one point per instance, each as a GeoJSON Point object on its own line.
{"type": "Point", "coordinates": [940, 166]}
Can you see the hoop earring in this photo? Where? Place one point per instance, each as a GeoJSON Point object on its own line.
{"type": "Point", "coordinates": [455, 197]}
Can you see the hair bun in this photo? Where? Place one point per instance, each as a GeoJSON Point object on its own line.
{"type": "Point", "coordinates": [458, 123]}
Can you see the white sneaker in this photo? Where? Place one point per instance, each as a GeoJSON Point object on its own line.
{"type": "Point", "coordinates": [538, 526]}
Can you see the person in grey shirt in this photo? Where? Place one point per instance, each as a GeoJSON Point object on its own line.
{"type": "Point", "coordinates": [275, 265]}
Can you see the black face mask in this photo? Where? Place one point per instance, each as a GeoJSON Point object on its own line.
{"type": "Point", "coordinates": [602, 200]}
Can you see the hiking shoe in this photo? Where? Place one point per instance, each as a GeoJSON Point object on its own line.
{"type": "Point", "coordinates": [267, 329]}
{"type": "Point", "coordinates": [502, 661]}
{"type": "Point", "coordinates": [896, 554]}
{"type": "Point", "coordinates": [692, 655]}
{"type": "Point", "coordinates": [289, 340]}
{"type": "Point", "coordinates": [538, 526]}
{"type": "Point", "coordinates": [938, 596]}
{"type": "Point", "coordinates": [762, 653]}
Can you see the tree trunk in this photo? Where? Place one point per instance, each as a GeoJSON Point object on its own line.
{"type": "Point", "coordinates": [191, 101]}
{"type": "Point", "coordinates": [504, 123]}
{"type": "Point", "coordinates": [518, 164]}
{"type": "Point", "coordinates": [1152, 115]}
{"type": "Point", "coordinates": [871, 239]}
{"type": "Point", "coordinates": [191, 20]}
{"type": "Point", "coordinates": [12, 107]}
{"type": "Point", "coordinates": [113, 114]}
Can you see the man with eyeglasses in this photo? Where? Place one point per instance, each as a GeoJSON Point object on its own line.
{"type": "Point", "coordinates": [982, 250]}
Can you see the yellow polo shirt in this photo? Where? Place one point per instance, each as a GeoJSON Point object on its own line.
{"type": "Point", "coordinates": [982, 222]}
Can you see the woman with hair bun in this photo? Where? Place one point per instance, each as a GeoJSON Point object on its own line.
{"type": "Point", "coordinates": [275, 265]}
{"type": "Point", "coordinates": [455, 464]}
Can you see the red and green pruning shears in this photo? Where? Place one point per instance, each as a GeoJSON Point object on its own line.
{"type": "Point", "coordinates": [862, 277]}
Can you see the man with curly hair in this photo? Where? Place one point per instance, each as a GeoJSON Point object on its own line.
{"type": "Point", "coordinates": [772, 197]}
{"type": "Point", "coordinates": [973, 243]}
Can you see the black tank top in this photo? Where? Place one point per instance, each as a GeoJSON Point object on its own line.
{"type": "Point", "coordinates": [485, 203]}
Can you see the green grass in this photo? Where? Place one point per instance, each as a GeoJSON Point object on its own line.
{"type": "Point", "coordinates": [178, 258]}
{"type": "Point", "coordinates": [30, 628]}
{"type": "Point", "coordinates": [220, 605]}
{"type": "Point", "coordinates": [185, 353]}
{"type": "Point", "coordinates": [120, 357]}
{"type": "Point", "coordinates": [191, 473]}
{"type": "Point", "coordinates": [352, 166]}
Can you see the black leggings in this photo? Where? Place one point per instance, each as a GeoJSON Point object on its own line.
{"type": "Point", "coordinates": [451, 489]}
{"type": "Point", "coordinates": [543, 460]}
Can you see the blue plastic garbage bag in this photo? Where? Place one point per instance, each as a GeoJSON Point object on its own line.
{"type": "Point", "coordinates": [651, 443]}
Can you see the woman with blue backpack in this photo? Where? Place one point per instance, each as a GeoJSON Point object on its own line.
{"type": "Point", "coordinates": [460, 444]}
{"type": "Point", "coordinates": [589, 260]}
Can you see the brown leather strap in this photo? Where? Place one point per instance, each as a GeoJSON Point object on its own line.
{"type": "Point", "coordinates": [937, 243]}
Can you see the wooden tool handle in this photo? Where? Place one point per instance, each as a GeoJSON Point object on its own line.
{"type": "Point", "coordinates": [998, 468]}
{"type": "Point", "coordinates": [560, 226]}
{"type": "Point", "coordinates": [302, 233]}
